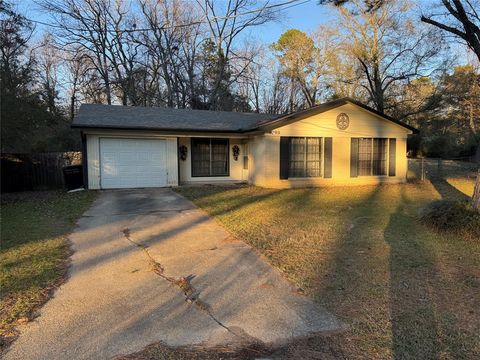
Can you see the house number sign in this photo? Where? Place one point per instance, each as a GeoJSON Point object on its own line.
{"type": "Point", "coordinates": [342, 121]}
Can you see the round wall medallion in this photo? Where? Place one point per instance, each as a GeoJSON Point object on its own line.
{"type": "Point", "coordinates": [343, 121]}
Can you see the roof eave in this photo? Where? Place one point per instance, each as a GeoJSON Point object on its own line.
{"type": "Point", "coordinates": [147, 128]}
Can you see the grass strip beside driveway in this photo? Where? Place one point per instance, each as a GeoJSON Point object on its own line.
{"type": "Point", "coordinates": [34, 251]}
{"type": "Point", "coordinates": [407, 292]}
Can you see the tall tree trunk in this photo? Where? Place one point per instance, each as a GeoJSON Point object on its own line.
{"type": "Point", "coordinates": [108, 93]}
{"type": "Point", "coordinates": [72, 107]}
{"type": "Point", "coordinates": [378, 90]}
{"type": "Point", "coordinates": [476, 193]}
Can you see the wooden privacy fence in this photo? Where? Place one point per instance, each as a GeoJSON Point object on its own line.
{"type": "Point", "coordinates": [21, 172]}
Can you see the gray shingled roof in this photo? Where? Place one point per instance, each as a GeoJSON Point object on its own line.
{"type": "Point", "coordinates": [155, 118]}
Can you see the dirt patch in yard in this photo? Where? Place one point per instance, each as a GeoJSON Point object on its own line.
{"type": "Point", "coordinates": [329, 346]}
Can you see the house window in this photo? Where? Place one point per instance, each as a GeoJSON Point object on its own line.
{"type": "Point", "coordinates": [210, 157]}
{"type": "Point", "coordinates": [305, 157]}
{"type": "Point", "coordinates": [372, 156]}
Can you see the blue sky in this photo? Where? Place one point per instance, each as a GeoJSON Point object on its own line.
{"type": "Point", "coordinates": [304, 16]}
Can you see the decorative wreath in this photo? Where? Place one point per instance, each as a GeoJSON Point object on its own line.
{"type": "Point", "coordinates": [183, 152]}
{"type": "Point", "coordinates": [236, 152]}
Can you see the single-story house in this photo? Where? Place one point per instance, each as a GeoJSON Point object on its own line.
{"type": "Point", "coordinates": [341, 142]}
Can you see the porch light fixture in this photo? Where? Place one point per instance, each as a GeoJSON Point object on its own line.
{"type": "Point", "coordinates": [182, 149]}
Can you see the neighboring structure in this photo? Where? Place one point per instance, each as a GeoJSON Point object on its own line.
{"type": "Point", "coordinates": [342, 142]}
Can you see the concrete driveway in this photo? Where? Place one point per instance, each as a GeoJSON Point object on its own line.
{"type": "Point", "coordinates": [149, 266]}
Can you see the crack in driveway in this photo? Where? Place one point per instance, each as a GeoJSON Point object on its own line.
{"type": "Point", "coordinates": [184, 283]}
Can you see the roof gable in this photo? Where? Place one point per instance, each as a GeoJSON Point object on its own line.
{"type": "Point", "coordinates": [361, 123]}
{"type": "Point", "coordinates": [272, 124]}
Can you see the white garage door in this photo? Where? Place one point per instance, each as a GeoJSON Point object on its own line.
{"type": "Point", "coordinates": [131, 163]}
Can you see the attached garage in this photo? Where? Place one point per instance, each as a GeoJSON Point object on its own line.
{"type": "Point", "coordinates": [130, 160]}
{"type": "Point", "coordinates": [132, 163]}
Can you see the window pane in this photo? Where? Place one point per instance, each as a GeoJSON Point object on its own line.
{"type": "Point", "coordinates": [379, 156]}
{"type": "Point", "coordinates": [297, 157]}
{"type": "Point", "coordinates": [314, 165]}
{"type": "Point", "coordinates": [200, 157]}
{"type": "Point", "coordinates": [305, 157]}
{"type": "Point", "coordinates": [364, 157]}
{"type": "Point", "coordinates": [219, 157]}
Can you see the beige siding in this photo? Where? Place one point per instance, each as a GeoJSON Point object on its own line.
{"type": "Point", "coordinates": [256, 160]}
{"type": "Point", "coordinates": [93, 159]}
{"type": "Point", "coordinates": [93, 153]}
{"type": "Point", "coordinates": [172, 162]}
{"type": "Point", "coordinates": [266, 171]}
{"type": "Point", "coordinates": [236, 166]}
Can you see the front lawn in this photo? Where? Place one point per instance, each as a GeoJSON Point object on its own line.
{"type": "Point", "coordinates": [405, 291]}
{"type": "Point", "coordinates": [34, 251]}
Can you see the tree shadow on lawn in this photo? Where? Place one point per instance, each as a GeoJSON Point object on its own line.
{"type": "Point", "coordinates": [386, 279]}
{"type": "Point", "coordinates": [38, 216]}
{"type": "Point", "coordinates": [366, 281]}
{"type": "Point", "coordinates": [447, 191]}
{"type": "Point", "coordinates": [211, 195]}
{"type": "Point", "coordinates": [413, 308]}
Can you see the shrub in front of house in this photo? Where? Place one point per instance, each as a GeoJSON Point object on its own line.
{"type": "Point", "coordinates": [452, 217]}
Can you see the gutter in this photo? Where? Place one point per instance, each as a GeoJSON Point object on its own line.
{"type": "Point", "coordinates": [145, 128]}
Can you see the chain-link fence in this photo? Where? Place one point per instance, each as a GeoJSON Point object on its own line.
{"type": "Point", "coordinates": [428, 168]}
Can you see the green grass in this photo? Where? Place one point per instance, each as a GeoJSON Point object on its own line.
{"type": "Point", "coordinates": [405, 291]}
{"type": "Point", "coordinates": [462, 184]}
{"type": "Point", "coordinates": [34, 250]}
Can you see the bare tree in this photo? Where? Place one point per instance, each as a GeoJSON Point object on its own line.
{"type": "Point", "coordinates": [249, 66]}
{"type": "Point", "coordinates": [171, 44]}
{"type": "Point", "coordinates": [339, 73]}
{"type": "Point", "coordinates": [225, 25]}
{"type": "Point", "coordinates": [84, 24]}
{"type": "Point", "coordinates": [75, 69]}
{"type": "Point", "coordinates": [278, 95]}
{"type": "Point", "coordinates": [461, 19]}
{"type": "Point", "coordinates": [370, 5]}
{"type": "Point", "coordinates": [388, 47]}
{"type": "Point", "coordinates": [48, 68]}
{"type": "Point", "coordinates": [123, 50]}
